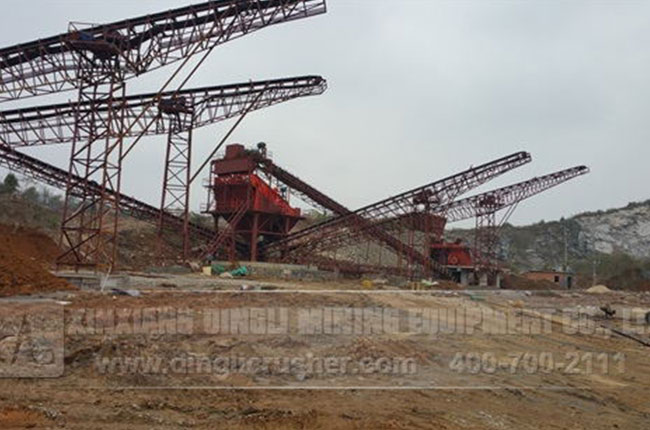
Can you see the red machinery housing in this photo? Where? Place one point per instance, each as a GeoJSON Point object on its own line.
{"type": "Point", "coordinates": [453, 254]}
{"type": "Point", "coordinates": [257, 212]}
{"type": "Point", "coordinates": [456, 257]}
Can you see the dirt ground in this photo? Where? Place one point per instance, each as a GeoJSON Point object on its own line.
{"type": "Point", "coordinates": [26, 256]}
{"type": "Point", "coordinates": [438, 395]}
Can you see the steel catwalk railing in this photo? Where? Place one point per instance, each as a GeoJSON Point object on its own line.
{"type": "Point", "coordinates": [139, 45]}
{"type": "Point", "coordinates": [330, 234]}
{"type": "Point", "coordinates": [51, 175]}
{"type": "Point", "coordinates": [55, 124]}
{"type": "Point", "coordinates": [227, 235]}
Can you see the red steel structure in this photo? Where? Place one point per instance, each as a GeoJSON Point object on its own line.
{"type": "Point", "coordinates": [252, 208]}
{"type": "Point", "coordinates": [97, 61]}
{"type": "Point", "coordinates": [176, 111]}
{"type": "Point", "coordinates": [252, 221]}
{"type": "Point", "coordinates": [138, 45]}
{"type": "Point", "coordinates": [482, 207]}
{"type": "Point", "coordinates": [56, 177]}
{"type": "Point", "coordinates": [305, 192]}
{"type": "Point", "coordinates": [234, 196]}
{"type": "Point", "coordinates": [455, 256]}
{"type": "Point", "coordinates": [55, 124]}
{"type": "Point", "coordinates": [257, 160]}
{"type": "Point", "coordinates": [337, 232]}
{"type": "Point", "coordinates": [485, 206]}
{"type": "Point", "coordinates": [186, 114]}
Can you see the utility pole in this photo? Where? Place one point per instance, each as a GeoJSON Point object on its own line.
{"type": "Point", "coordinates": [566, 248]}
{"type": "Point", "coordinates": [594, 276]}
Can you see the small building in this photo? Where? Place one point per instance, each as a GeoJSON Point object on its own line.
{"type": "Point", "coordinates": [563, 279]}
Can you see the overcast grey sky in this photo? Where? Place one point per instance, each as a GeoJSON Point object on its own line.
{"type": "Point", "coordinates": [419, 89]}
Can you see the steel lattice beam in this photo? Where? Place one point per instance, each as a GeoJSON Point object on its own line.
{"type": "Point", "coordinates": [194, 108]}
{"type": "Point", "coordinates": [306, 192]}
{"type": "Point", "coordinates": [177, 115]}
{"type": "Point", "coordinates": [335, 233]}
{"type": "Point", "coordinates": [178, 171]}
{"type": "Point", "coordinates": [485, 206]}
{"type": "Point", "coordinates": [55, 124]}
{"type": "Point", "coordinates": [88, 235]}
{"type": "Point", "coordinates": [80, 123]}
{"type": "Point", "coordinates": [139, 45]}
{"type": "Point", "coordinates": [97, 61]}
{"type": "Point", "coordinates": [51, 175]}
{"type": "Point", "coordinates": [501, 198]}
{"type": "Point", "coordinates": [490, 201]}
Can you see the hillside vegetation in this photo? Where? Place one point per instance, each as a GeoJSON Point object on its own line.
{"type": "Point", "coordinates": [613, 243]}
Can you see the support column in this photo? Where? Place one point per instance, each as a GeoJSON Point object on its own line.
{"type": "Point", "coordinates": [486, 245]}
{"type": "Point", "coordinates": [88, 234]}
{"type": "Point", "coordinates": [254, 236]}
{"type": "Point", "coordinates": [176, 181]}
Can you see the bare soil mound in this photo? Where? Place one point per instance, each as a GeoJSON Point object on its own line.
{"type": "Point", "coordinates": [25, 257]}
{"type": "Point", "coordinates": [29, 243]}
{"type": "Point", "coordinates": [598, 289]}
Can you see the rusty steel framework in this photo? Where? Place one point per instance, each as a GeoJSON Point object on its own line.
{"type": "Point", "coordinates": [139, 45]}
{"type": "Point", "coordinates": [178, 114]}
{"type": "Point", "coordinates": [226, 238]}
{"type": "Point", "coordinates": [186, 114]}
{"type": "Point", "coordinates": [305, 192]}
{"type": "Point", "coordinates": [51, 175]}
{"type": "Point", "coordinates": [55, 124]}
{"type": "Point", "coordinates": [97, 61]}
{"type": "Point", "coordinates": [84, 236]}
{"type": "Point", "coordinates": [484, 208]}
{"type": "Point", "coordinates": [337, 232]}
{"type": "Point", "coordinates": [264, 164]}
{"type": "Point", "coordinates": [481, 206]}
{"type": "Point", "coordinates": [178, 172]}
{"type": "Point", "coordinates": [502, 198]}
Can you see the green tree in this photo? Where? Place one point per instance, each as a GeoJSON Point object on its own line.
{"type": "Point", "coordinates": [31, 195]}
{"type": "Point", "coordinates": [10, 184]}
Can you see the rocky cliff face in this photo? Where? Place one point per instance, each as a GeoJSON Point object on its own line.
{"type": "Point", "coordinates": [587, 236]}
{"type": "Point", "coordinates": [624, 230]}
